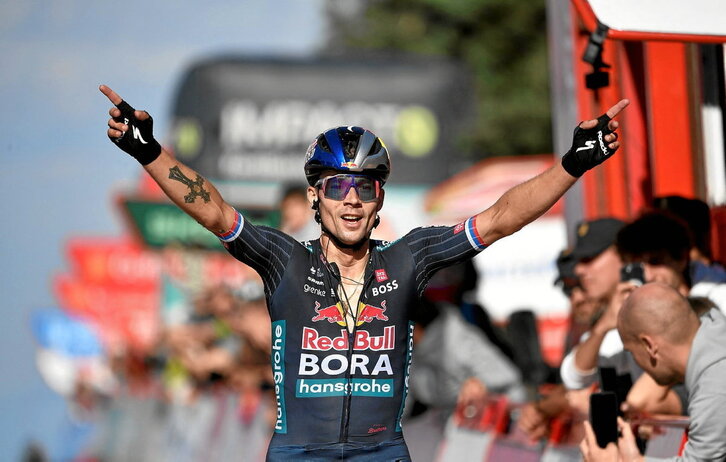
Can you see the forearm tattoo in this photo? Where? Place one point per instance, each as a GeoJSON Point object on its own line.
{"type": "Point", "coordinates": [196, 187]}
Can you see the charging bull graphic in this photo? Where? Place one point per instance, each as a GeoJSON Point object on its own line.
{"type": "Point", "coordinates": [335, 313]}
{"type": "Point", "coordinates": [332, 313]}
{"type": "Point", "coordinates": [367, 313]}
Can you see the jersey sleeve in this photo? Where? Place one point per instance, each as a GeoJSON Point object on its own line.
{"type": "Point", "coordinates": [437, 247]}
{"type": "Point", "coordinates": [264, 249]}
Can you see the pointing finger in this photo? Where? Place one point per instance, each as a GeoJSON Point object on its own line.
{"type": "Point", "coordinates": [619, 106]}
{"type": "Point", "coordinates": [110, 94]}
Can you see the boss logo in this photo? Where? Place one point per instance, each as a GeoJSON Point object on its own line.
{"type": "Point", "coordinates": [385, 288]}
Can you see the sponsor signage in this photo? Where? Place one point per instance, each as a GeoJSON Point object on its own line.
{"type": "Point", "coordinates": [115, 285]}
{"type": "Point", "coordinates": [123, 315]}
{"type": "Point", "coordinates": [159, 224]}
{"type": "Point", "coordinates": [253, 119]}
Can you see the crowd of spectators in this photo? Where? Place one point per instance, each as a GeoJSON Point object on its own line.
{"type": "Point", "coordinates": [205, 391]}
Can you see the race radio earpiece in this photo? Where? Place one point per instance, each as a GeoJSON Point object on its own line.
{"type": "Point", "coordinates": [316, 207]}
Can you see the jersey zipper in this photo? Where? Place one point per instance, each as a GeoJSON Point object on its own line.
{"type": "Point", "coordinates": [345, 417]}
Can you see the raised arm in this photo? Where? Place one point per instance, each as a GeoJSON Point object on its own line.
{"type": "Point", "coordinates": [594, 141]}
{"type": "Point", "coordinates": [132, 131]}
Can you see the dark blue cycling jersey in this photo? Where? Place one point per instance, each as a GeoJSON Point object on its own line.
{"type": "Point", "coordinates": [332, 385]}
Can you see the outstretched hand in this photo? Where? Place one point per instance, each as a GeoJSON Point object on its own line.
{"type": "Point", "coordinates": [594, 141]}
{"type": "Point", "coordinates": [141, 144]}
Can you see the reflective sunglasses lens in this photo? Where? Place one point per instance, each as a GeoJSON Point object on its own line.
{"type": "Point", "coordinates": [336, 187]}
{"type": "Point", "coordinates": [366, 188]}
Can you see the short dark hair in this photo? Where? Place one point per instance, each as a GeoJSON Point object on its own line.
{"type": "Point", "coordinates": [656, 238]}
{"type": "Point", "coordinates": [695, 214]}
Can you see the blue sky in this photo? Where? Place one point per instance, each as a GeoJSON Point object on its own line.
{"type": "Point", "coordinates": [59, 171]}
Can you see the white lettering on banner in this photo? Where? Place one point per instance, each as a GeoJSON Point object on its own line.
{"type": "Point", "coordinates": [263, 165]}
{"type": "Point", "coordinates": [337, 364]}
{"type": "Point", "coordinates": [312, 340]}
{"type": "Point", "coordinates": [283, 124]}
{"type": "Point", "coordinates": [384, 288]}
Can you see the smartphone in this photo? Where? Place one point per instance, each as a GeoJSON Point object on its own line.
{"type": "Point", "coordinates": [619, 384]}
{"type": "Point", "coordinates": [633, 273]}
{"type": "Point", "coordinates": [604, 417]}
{"type": "Point", "coordinates": [608, 379]}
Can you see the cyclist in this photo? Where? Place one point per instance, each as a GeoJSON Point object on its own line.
{"type": "Point", "coordinates": [341, 305]}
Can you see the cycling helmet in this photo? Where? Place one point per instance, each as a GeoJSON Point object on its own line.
{"type": "Point", "coordinates": [347, 150]}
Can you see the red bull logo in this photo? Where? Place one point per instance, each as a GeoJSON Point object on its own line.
{"type": "Point", "coordinates": [367, 313]}
{"type": "Point", "coordinates": [363, 340]}
{"type": "Point", "coordinates": [332, 313]}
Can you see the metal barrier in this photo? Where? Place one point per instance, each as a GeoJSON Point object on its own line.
{"type": "Point", "coordinates": [491, 434]}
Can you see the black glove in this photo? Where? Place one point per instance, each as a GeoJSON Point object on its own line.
{"type": "Point", "coordinates": [589, 148]}
{"type": "Point", "coordinates": [139, 140]}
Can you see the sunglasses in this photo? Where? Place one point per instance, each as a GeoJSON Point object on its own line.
{"type": "Point", "coordinates": [336, 187]}
{"type": "Point", "coordinates": [569, 284]}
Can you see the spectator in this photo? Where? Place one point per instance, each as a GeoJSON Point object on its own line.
{"type": "Point", "coordinates": [455, 364]}
{"type": "Point", "coordinates": [536, 416]}
{"type": "Point", "coordinates": [296, 216]}
{"type": "Point", "coordinates": [673, 345]}
{"type": "Point", "coordinates": [662, 243]}
{"type": "Point", "coordinates": [457, 285]}
{"type": "Point", "coordinates": [582, 308]}
{"type": "Point", "coordinates": [696, 216]}
{"type": "Point", "coordinates": [598, 269]}
{"type": "Point", "coordinates": [205, 345]}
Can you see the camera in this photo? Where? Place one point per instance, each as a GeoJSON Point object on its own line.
{"type": "Point", "coordinates": [633, 273]}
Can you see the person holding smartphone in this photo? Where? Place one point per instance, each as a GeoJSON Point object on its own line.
{"type": "Point", "coordinates": [597, 267]}
{"type": "Point", "coordinates": [673, 345]}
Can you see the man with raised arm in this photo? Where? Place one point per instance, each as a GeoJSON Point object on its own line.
{"type": "Point", "coordinates": [341, 306]}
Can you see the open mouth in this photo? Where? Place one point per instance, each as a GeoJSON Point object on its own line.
{"type": "Point", "coordinates": [351, 218]}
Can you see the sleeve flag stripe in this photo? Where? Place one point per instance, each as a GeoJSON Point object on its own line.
{"type": "Point", "coordinates": [235, 230]}
{"type": "Point", "coordinates": [473, 234]}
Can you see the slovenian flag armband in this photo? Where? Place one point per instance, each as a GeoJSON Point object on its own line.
{"type": "Point", "coordinates": [473, 235]}
{"type": "Point", "coordinates": [235, 230]}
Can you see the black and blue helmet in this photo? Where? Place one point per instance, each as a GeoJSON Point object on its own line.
{"type": "Point", "coordinates": [347, 150]}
